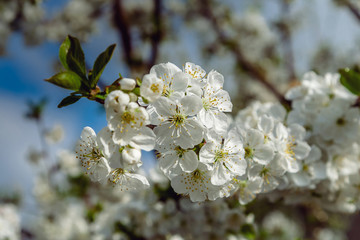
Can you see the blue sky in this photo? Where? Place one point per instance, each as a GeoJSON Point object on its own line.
{"type": "Point", "coordinates": [23, 70]}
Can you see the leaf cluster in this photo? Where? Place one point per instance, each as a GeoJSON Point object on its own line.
{"type": "Point", "coordinates": [75, 76]}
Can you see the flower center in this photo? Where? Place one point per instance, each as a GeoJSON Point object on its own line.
{"type": "Point", "coordinates": [264, 172]}
{"type": "Point", "coordinates": [155, 87]}
{"type": "Point", "coordinates": [196, 174]}
{"type": "Point", "coordinates": [206, 103]}
{"type": "Point", "coordinates": [289, 148]}
{"type": "Point", "coordinates": [167, 91]}
{"type": "Point", "coordinates": [178, 120]}
{"type": "Point", "coordinates": [116, 175]}
{"type": "Point", "coordinates": [127, 117]}
{"type": "Point", "coordinates": [249, 152]}
{"type": "Point", "coordinates": [220, 155]}
{"type": "Point", "coordinates": [179, 151]}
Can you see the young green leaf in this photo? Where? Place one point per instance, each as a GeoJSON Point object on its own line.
{"type": "Point", "coordinates": [75, 59]}
{"type": "Point", "coordinates": [68, 101]}
{"type": "Point", "coordinates": [351, 80]}
{"type": "Point", "coordinates": [63, 51]}
{"type": "Point", "coordinates": [100, 65]}
{"type": "Point", "coordinates": [68, 80]}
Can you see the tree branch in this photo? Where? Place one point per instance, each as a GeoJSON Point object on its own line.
{"type": "Point", "coordinates": [122, 26]}
{"type": "Point", "coordinates": [353, 9]}
{"type": "Point", "coordinates": [157, 35]}
{"type": "Point", "coordinates": [254, 70]}
{"type": "Point", "coordinates": [285, 34]}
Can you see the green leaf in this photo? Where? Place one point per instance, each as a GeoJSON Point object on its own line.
{"type": "Point", "coordinates": [138, 81]}
{"type": "Point", "coordinates": [248, 231]}
{"type": "Point", "coordinates": [351, 80]}
{"type": "Point", "coordinates": [75, 59]}
{"type": "Point", "coordinates": [100, 65]}
{"type": "Point", "coordinates": [136, 91]}
{"type": "Point", "coordinates": [68, 101]}
{"type": "Point", "coordinates": [63, 51]}
{"type": "Point", "coordinates": [68, 80]}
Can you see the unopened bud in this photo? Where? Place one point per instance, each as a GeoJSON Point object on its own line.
{"type": "Point", "coordinates": [133, 97]}
{"type": "Point", "coordinates": [127, 84]}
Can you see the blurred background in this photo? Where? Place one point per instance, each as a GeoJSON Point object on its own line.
{"type": "Point", "coordinates": [262, 47]}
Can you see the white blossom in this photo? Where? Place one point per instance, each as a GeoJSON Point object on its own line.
{"type": "Point", "coordinates": [92, 155]}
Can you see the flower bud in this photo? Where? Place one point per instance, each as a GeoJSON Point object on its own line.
{"type": "Point", "coordinates": [131, 156]}
{"type": "Point", "coordinates": [117, 101]}
{"type": "Point", "coordinates": [133, 97]}
{"type": "Point", "coordinates": [127, 84]}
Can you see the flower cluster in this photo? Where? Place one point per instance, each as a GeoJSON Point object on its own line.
{"type": "Point", "coordinates": [329, 114]}
{"type": "Point", "coordinates": [115, 153]}
{"type": "Point", "coordinates": [9, 222]}
{"type": "Point", "coordinates": [181, 113]}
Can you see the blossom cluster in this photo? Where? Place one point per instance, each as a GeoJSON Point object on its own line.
{"type": "Point", "coordinates": [181, 113]}
{"type": "Point", "coordinates": [9, 221]}
{"type": "Point", "coordinates": [329, 113]}
{"type": "Point", "coordinates": [93, 212]}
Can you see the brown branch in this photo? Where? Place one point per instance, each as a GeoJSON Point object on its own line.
{"type": "Point", "coordinates": [286, 39]}
{"type": "Point", "coordinates": [353, 9]}
{"type": "Point", "coordinates": [254, 70]}
{"type": "Point", "coordinates": [122, 26]}
{"type": "Point", "coordinates": [157, 35]}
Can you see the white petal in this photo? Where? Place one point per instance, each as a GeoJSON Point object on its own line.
{"type": "Point", "coordinates": [191, 134]}
{"type": "Point", "coordinates": [266, 124]}
{"type": "Point", "coordinates": [220, 175]}
{"type": "Point", "coordinates": [237, 165]}
{"type": "Point", "coordinates": [145, 139]}
{"type": "Point", "coordinates": [207, 153]}
{"type": "Point", "coordinates": [215, 79]}
{"type": "Point", "coordinates": [301, 179]}
{"type": "Point", "coordinates": [206, 118]}
{"type": "Point", "coordinates": [165, 71]}
{"type": "Point", "coordinates": [137, 181]}
{"type": "Point", "coordinates": [197, 196]}
{"type": "Point", "coordinates": [105, 142]}
{"type": "Point", "coordinates": [301, 149]}
{"type": "Point", "coordinates": [88, 133]}
{"type": "Point", "coordinates": [319, 170]}
{"type": "Point", "coordinates": [281, 131]}
{"type": "Point", "coordinates": [223, 101]}
{"type": "Point", "coordinates": [180, 81]}
{"type": "Point", "coordinates": [189, 162]}
{"type": "Point", "coordinates": [165, 107]}
{"type": "Point", "coordinates": [177, 183]}
{"type": "Point", "coordinates": [254, 137]}
{"type": "Point", "coordinates": [191, 105]}
{"type": "Point", "coordinates": [167, 162]}
{"type": "Point", "coordinates": [100, 171]}
{"type": "Point", "coordinates": [221, 123]}
{"type": "Point", "coordinates": [297, 131]}
{"type": "Point", "coordinates": [131, 157]}
{"type": "Point", "coordinates": [314, 154]}
{"type": "Point", "coordinates": [263, 154]}
{"type": "Point", "coordinates": [164, 133]}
